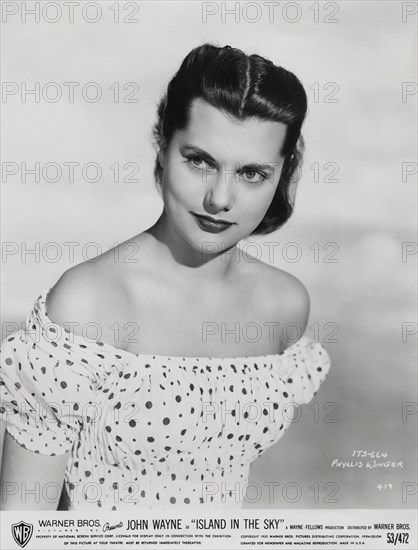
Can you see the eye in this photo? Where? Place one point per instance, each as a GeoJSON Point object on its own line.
{"type": "Point", "coordinates": [200, 164]}
{"type": "Point", "coordinates": [254, 177]}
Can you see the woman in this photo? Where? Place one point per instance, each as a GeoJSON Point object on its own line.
{"type": "Point", "coordinates": [174, 413]}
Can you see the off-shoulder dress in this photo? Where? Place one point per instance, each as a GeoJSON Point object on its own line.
{"type": "Point", "coordinates": [149, 431]}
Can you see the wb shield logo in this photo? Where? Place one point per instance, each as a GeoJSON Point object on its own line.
{"type": "Point", "coordinates": [22, 532]}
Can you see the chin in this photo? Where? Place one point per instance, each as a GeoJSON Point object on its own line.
{"type": "Point", "coordinates": [209, 243]}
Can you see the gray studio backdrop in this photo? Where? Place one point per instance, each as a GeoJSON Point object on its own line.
{"type": "Point", "coordinates": [350, 240]}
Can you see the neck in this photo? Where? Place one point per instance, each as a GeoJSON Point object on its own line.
{"type": "Point", "coordinates": [180, 258]}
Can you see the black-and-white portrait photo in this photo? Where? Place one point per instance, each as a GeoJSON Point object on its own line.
{"type": "Point", "coordinates": [209, 274]}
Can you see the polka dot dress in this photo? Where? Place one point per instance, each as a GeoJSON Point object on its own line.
{"type": "Point", "coordinates": [149, 431]}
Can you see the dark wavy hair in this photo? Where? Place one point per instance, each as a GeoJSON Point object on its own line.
{"type": "Point", "coordinates": [243, 86]}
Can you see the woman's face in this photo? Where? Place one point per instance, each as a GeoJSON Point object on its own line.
{"type": "Point", "coordinates": [221, 168]}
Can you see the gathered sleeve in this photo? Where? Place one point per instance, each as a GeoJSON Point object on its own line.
{"type": "Point", "coordinates": [43, 391]}
{"type": "Point", "coordinates": [303, 369]}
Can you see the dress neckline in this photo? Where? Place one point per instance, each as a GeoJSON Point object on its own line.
{"type": "Point", "coordinates": [64, 334]}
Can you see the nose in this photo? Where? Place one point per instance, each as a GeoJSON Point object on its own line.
{"type": "Point", "coordinates": [220, 196]}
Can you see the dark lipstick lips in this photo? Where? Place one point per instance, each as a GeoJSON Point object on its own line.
{"type": "Point", "coordinates": [223, 222]}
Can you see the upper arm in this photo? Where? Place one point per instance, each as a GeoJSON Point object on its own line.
{"type": "Point", "coordinates": [36, 444]}
{"type": "Point", "coordinates": [29, 481]}
{"type": "Point", "coordinates": [2, 435]}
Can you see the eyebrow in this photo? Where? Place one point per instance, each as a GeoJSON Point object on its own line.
{"type": "Point", "coordinates": [187, 147]}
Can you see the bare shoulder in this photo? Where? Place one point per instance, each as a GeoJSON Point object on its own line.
{"type": "Point", "coordinates": [73, 297]}
{"type": "Point", "coordinates": [92, 292]}
{"type": "Point", "coordinates": [285, 297]}
{"type": "Point", "coordinates": [86, 293]}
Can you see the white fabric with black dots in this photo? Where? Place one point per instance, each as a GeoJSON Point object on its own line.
{"type": "Point", "coordinates": [148, 431]}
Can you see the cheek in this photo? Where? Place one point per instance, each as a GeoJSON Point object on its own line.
{"type": "Point", "coordinates": [254, 203]}
{"type": "Point", "coordinates": [180, 184]}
